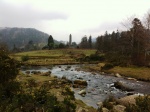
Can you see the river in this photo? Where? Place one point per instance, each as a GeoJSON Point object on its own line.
{"type": "Point", "coordinates": [99, 86]}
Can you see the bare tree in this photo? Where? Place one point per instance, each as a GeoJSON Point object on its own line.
{"type": "Point", "coordinates": [147, 20]}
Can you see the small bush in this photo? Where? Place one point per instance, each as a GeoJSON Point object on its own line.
{"type": "Point", "coordinates": [32, 82]}
{"type": "Point", "coordinates": [108, 103]}
{"type": "Point", "coordinates": [107, 66]}
{"type": "Point", "coordinates": [118, 59]}
{"type": "Point", "coordinates": [25, 58]}
{"type": "Point", "coordinates": [96, 57]}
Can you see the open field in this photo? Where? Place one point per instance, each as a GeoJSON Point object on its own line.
{"type": "Point", "coordinates": [50, 57]}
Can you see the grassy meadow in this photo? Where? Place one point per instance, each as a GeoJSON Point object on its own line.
{"type": "Point", "coordinates": [50, 57]}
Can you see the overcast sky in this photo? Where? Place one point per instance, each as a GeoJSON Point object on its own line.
{"type": "Point", "coordinates": [60, 18]}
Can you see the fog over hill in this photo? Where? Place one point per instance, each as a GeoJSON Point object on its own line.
{"type": "Point", "coordinates": [21, 36]}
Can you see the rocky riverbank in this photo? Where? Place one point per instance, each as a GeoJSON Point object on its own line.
{"type": "Point", "coordinates": [91, 87]}
{"type": "Point", "coordinates": [56, 86]}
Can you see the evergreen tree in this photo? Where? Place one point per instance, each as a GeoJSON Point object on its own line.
{"type": "Point", "coordinates": [84, 42]}
{"type": "Point", "coordinates": [106, 47]}
{"type": "Point", "coordinates": [50, 42]}
{"type": "Point", "coordinates": [90, 41]}
{"type": "Point", "coordinates": [99, 43]}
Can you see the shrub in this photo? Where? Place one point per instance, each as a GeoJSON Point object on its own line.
{"type": "Point", "coordinates": [108, 103]}
{"type": "Point", "coordinates": [70, 106]}
{"type": "Point", "coordinates": [96, 57]}
{"type": "Point", "coordinates": [25, 58]}
{"type": "Point", "coordinates": [32, 83]}
{"type": "Point", "coordinates": [69, 93]}
{"type": "Point", "coordinates": [142, 105]}
{"type": "Point", "coordinates": [8, 68]}
{"type": "Point", "coordinates": [117, 59]}
{"type": "Point", "coordinates": [107, 66]}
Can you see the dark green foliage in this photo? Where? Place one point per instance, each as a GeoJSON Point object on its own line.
{"type": "Point", "coordinates": [93, 57]}
{"type": "Point", "coordinates": [25, 58]}
{"type": "Point", "coordinates": [8, 68]}
{"type": "Point", "coordinates": [142, 105]}
{"type": "Point", "coordinates": [69, 93]}
{"type": "Point", "coordinates": [84, 42]}
{"type": "Point", "coordinates": [37, 99]}
{"type": "Point", "coordinates": [107, 66]}
{"type": "Point", "coordinates": [117, 59]}
{"type": "Point", "coordinates": [25, 97]}
{"type": "Point", "coordinates": [90, 42]}
{"type": "Point", "coordinates": [61, 45]}
{"type": "Point", "coordinates": [50, 42]}
{"type": "Point", "coordinates": [70, 106]}
{"type": "Point", "coordinates": [96, 57]}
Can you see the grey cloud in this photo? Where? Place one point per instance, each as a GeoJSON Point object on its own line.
{"type": "Point", "coordinates": [21, 16]}
{"type": "Point", "coordinates": [105, 26]}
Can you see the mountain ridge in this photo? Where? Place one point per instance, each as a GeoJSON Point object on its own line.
{"type": "Point", "coordinates": [21, 36]}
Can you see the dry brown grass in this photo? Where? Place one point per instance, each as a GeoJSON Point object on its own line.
{"type": "Point", "coordinates": [141, 73]}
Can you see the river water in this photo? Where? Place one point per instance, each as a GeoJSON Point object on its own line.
{"type": "Point", "coordinates": [99, 86]}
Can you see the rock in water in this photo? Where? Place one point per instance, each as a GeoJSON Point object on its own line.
{"type": "Point", "coordinates": [80, 82]}
{"type": "Point", "coordinates": [117, 75]}
{"type": "Point", "coordinates": [82, 92]}
{"type": "Point", "coordinates": [121, 86]}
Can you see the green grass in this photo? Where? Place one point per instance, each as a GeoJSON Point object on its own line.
{"type": "Point", "coordinates": [57, 52]}
{"type": "Point", "coordinates": [47, 57]}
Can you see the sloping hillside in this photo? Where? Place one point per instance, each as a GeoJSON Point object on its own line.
{"type": "Point", "coordinates": [21, 36]}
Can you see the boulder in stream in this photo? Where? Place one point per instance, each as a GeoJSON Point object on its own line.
{"type": "Point", "coordinates": [82, 92]}
{"type": "Point", "coordinates": [121, 86]}
{"type": "Point", "coordinates": [80, 82]}
{"type": "Point", "coordinates": [36, 72]}
{"type": "Point", "coordinates": [47, 74]}
{"type": "Point", "coordinates": [117, 75]}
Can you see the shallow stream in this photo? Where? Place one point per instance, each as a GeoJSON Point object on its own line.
{"type": "Point", "coordinates": [99, 86]}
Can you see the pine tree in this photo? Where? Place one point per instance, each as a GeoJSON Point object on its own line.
{"type": "Point", "coordinates": [50, 42]}
{"type": "Point", "coordinates": [90, 41]}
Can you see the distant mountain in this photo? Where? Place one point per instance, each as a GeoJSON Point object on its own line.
{"type": "Point", "coordinates": [20, 37]}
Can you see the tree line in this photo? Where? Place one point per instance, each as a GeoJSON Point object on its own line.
{"type": "Point", "coordinates": [132, 45]}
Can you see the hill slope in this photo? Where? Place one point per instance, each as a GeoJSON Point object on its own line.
{"type": "Point", "coordinates": [21, 36]}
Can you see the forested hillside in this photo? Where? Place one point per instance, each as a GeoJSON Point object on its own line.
{"type": "Point", "coordinates": [20, 37]}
